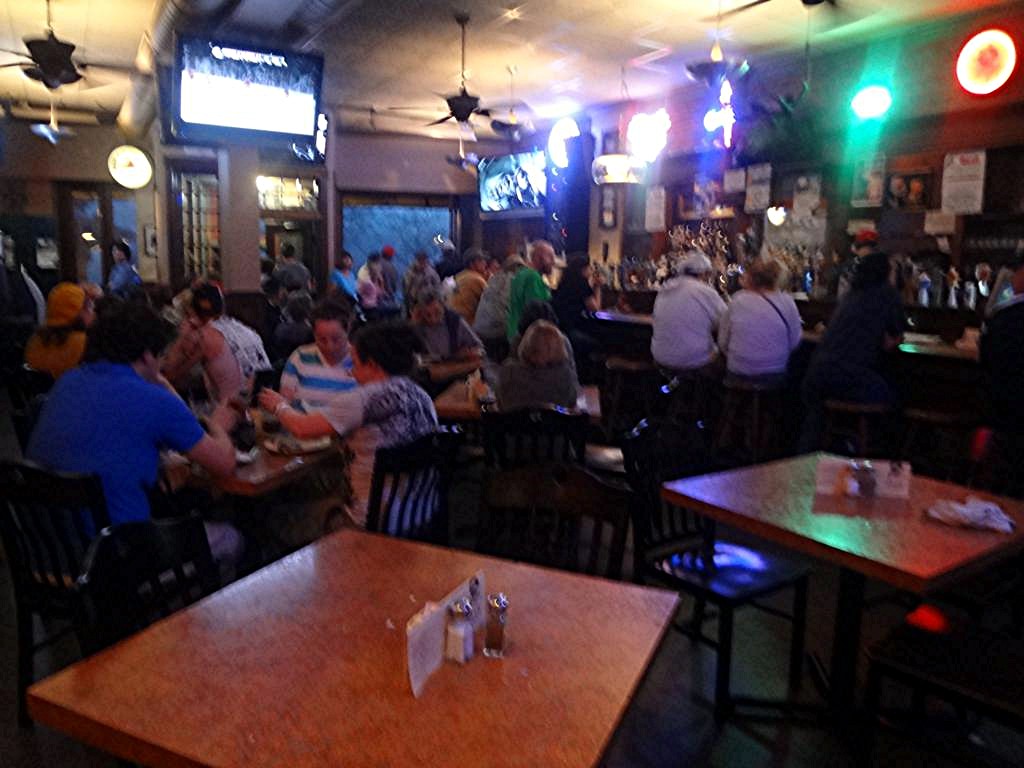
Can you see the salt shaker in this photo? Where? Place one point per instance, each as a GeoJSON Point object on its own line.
{"type": "Point", "coordinates": [494, 635]}
{"type": "Point", "coordinates": [459, 636]}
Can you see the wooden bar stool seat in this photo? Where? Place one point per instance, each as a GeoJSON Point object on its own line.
{"type": "Point", "coordinates": [844, 418]}
{"type": "Point", "coordinates": [627, 394]}
{"type": "Point", "coordinates": [754, 409]}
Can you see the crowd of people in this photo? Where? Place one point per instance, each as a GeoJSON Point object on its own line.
{"type": "Point", "coordinates": [358, 358]}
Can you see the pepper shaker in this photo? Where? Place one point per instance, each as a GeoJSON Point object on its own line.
{"type": "Point", "coordinates": [459, 635]}
{"type": "Point", "coordinates": [495, 639]}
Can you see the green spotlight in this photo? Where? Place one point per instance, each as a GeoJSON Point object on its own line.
{"type": "Point", "coordinates": [871, 102]}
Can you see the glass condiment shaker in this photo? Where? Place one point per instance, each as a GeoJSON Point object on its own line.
{"type": "Point", "coordinates": [459, 635]}
{"type": "Point", "coordinates": [495, 639]}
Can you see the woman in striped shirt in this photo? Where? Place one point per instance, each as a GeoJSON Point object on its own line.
{"type": "Point", "coordinates": [318, 372]}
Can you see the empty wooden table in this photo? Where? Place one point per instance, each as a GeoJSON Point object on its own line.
{"type": "Point", "coordinates": [455, 404]}
{"type": "Point", "coordinates": [886, 539]}
{"type": "Point", "coordinates": [303, 664]}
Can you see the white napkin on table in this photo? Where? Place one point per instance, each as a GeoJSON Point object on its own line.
{"type": "Point", "coordinates": [973, 513]}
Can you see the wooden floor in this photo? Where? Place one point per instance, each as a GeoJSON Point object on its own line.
{"type": "Point", "coordinates": [669, 722]}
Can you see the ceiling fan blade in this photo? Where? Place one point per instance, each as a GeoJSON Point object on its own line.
{"type": "Point", "coordinates": [482, 112]}
{"type": "Point", "coordinates": [444, 119]}
{"type": "Point", "coordinates": [411, 109]}
{"type": "Point", "coordinates": [22, 54]}
{"type": "Point", "coordinates": [467, 132]}
{"type": "Point", "coordinates": [14, 64]}
{"type": "Point", "coordinates": [734, 11]}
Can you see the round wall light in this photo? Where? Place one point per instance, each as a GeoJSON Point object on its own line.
{"type": "Point", "coordinates": [986, 62]}
{"type": "Point", "coordinates": [129, 166]}
{"type": "Point", "coordinates": [566, 128]}
{"type": "Point", "coordinates": [871, 102]}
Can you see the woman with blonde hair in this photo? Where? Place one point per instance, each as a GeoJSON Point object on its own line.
{"type": "Point", "coordinates": [541, 373]}
{"type": "Point", "coordinates": [760, 328]}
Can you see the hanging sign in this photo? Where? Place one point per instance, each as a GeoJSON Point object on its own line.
{"type": "Point", "coordinates": [963, 182]}
{"type": "Point", "coordinates": [759, 188]}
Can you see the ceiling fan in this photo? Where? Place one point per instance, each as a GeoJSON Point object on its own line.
{"type": "Point", "coordinates": [755, 3]}
{"type": "Point", "coordinates": [462, 106]}
{"type": "Point", "coordinates": [49, 58]}
{"type": "Point", "coordinates": [464, 161]}
{"type": "Point", "coordinates": [51, 131]}
{"type": "Point", "coordinates": [513, 128]}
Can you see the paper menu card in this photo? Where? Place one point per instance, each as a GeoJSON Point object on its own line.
{"type": "Point", "coordinates": [424, 637]}
{"type": "Point", "coordinates": [836, 477]}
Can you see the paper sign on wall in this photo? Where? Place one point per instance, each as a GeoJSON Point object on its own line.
{"type": "Point", "coordinates": [759, 188]}
{"type": "Point", "coordinates": [735, 180]}
{"type": "Point", "coordinates": [654, 213]}
{"type": "Point", "coordinates": [939, 223]}
{"type": "Point", "coordinates": [963, 182]}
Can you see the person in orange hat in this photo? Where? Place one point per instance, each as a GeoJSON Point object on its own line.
{"type": "Point", "coordinates": [60, 344]}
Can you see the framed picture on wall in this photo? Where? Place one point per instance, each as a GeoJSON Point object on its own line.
{"type": "Point", "coordinates": [910, 190]}
{"type": "Point", "coordinates": [608, 218]}
{"type": "Point", "coordinates": [868, 183]}
{"type": "Point", "coordinates": [149, 233]}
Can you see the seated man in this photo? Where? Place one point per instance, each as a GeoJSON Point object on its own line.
{"type": "Point", "coordinates": [444, 333]}
{"type": "Point", "coordinates": [316, 373]}
{"type": "Point", "coordinates": [113, 415]}
{"type": "Point", "coordinates": [686, 317]}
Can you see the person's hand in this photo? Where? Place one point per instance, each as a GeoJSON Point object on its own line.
{"type": "Point", "coordinates": [225, 416]}
{"type": "Point", "coordinates": [271, 400]}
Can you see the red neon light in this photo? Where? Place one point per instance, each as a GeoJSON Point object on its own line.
{"type": "Point", "coordinates": [986, 62]}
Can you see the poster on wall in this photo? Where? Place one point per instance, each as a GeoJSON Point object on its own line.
{"type": "Point", "coordinates": [735, 180]}
{"type": "Point", "coordinates": [654, 212]}
{"type": "Point", "coordinates": [908, 190]}
{"type": "Point", "coordinates": [868, 183]}
{"type": "Point", "coordinates": [963, 182]}
{"type": "Point", "coordinates": [759, 188]}
{"type": "Point", "coordinates": [806, 194]}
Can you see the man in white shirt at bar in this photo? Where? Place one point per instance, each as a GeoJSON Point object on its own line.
{"type": "Point", "coordinates": [686, 317]}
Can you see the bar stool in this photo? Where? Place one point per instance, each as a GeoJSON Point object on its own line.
{"type": "Point", "coordinates": [755, 409]}
{"type": "Point", "coordinates": [853, 421]}
{"type": "Point", "coordinates": [946, 453]}
{"type": "Point", "coordinates": [627, 394]}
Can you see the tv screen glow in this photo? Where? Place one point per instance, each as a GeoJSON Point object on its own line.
{"type": "Point", "coordinates": [513, 185]}
{"type": "Point", "coordinates": [244, 88]}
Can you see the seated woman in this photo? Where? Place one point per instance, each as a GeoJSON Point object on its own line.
{"type": "Point", "coordinates": [387, 409]}
{"type": "Point", "coordinates": [59, 345]}
{"type": "Point", "coordinates": [760, 328]}
{"type": "Point", "coordinates": [541, 374]}
{"type": "Point", "coordinates": [571, 299]}
{"type": "Point", "coordinates": [229, 352]}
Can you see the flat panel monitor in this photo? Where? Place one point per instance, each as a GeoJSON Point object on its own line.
{"type": "Point", "coordinates": [228, 90]}
{"type": "Point", "coordinates": [513, 185]}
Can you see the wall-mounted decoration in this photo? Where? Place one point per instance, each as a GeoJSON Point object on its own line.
{"type": "Point", "coordinates": [759, 188]}
{"type": "Point", "coordinates": [608, 218]}
{"type": "Point", "coordinates": [734, 180]}
{"type": "Point", "coordinates": [910, 190]}
{"type": "Point", "coordinates": [869, 183]}
{"type": "Point", "coordinates": [963, 182]}
{"type": "Point", "coordinates": [149, 235]}
{"type": "Point", "coordinates": [654, 212]}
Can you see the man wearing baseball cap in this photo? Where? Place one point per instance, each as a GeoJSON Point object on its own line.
{"type": "Point", "coordinates": [686, 316]}
{"type": "Point", "coordinates": [59, 345]}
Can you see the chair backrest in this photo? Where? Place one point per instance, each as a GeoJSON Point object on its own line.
{"type": "Point", "coordinates": [47, 521]}
{"type": "Point", "coordinates": [654, 453]}
{"type": "Point", "coordinates": [26, 384]}
{"type": "Point", "coordinates": [137, 573]}
{"type": "Point", "coordinates": [409, 488]}
{"type": "Point", "coordinates": [558, 515]}
{"type": "Point", "coordinates": [534, 436]}
{"type": "Point", "coordinates": [25, 418]}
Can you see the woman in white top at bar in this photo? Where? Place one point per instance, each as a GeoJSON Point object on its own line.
{"type": "Point", "coordinates": [760, 328]}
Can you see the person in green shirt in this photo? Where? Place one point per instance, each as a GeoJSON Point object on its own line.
{"type": "Point", "coordinates": [528, 284]}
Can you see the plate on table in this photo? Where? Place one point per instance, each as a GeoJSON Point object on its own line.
{"type": "Point", "coordinates": [291, 446]}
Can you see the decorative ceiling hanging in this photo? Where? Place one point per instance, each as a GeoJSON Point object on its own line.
{"type": "Point", "coordinates": [618, 167]}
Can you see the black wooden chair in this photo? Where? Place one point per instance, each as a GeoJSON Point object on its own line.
{"type": "Point", "coordinates": [26, 384]}
{"type": "Point", "coordinates": [675, 548]}
{"type": "Point", "coordinates": [137, 573]}
{"type": "Point", "coordinates": [973, 669]}
{"type": "Point", "coordinates": [409, 488]}
{"type": "Point", "coordinates": [47, 521]}
{"type": "Point", "coordinates": [24, 420]}
{"type": "Point", "coordinates": [556, 515]}
{"type": "Point", "coordinates": [534, 436]}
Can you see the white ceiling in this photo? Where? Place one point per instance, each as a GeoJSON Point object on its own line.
{"type": "Point", "coordinates": [385, 53]}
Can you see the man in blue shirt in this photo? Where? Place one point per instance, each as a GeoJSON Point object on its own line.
{"type": "Point", "coordinates": [113, 415]}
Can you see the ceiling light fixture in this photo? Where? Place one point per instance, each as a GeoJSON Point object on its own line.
{"type": "Point", "coordinates": [618, 169]}
{"type": "Point", "coordinates": [565, 128]}
{"type": "Point", "coordinates": [776, 215]}
{"type": "Point", "coordinates": [129, 166]}
{"type": "Point", "coordinates": [716, 69]}
{"type": "Point", "coordinates": [724, 117]}
{"type": "Point", "coordinates": [647, 134]}
{"type": "Point", "coordinates": [986, 62]}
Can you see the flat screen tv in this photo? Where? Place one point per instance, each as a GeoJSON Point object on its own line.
{"type": "Point", "coordinates": [228, 90]}
{"type": "Point", "coordinates": [513, 185]}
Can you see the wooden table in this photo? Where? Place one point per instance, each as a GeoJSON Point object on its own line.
{"type": "Point", "coordinates": [930, 346]}
{"type": "Point", "coordinates": [267, 472]}
{"type": "Point", "coordinates": [455, 404]}
{"type": "Point", "coordinates": [885, 539]}
{"type": "Point", "coordinates": [303, 664]}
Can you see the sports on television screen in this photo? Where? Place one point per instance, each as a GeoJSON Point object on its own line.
{"type": "Point", "coordinates": [513, 185]}
{"type": "Point", "coordinates": [244, 88]}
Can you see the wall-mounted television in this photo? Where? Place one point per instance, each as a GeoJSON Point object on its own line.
{"type": "Point", "coordinates": [513, 185]}
{"type": "Point", "coordinates": [224, 90]}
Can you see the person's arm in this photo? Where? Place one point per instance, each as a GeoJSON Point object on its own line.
{"type": "Point", "coordinates": [893, 335]}
{"type": "Point", "coordinates": [796, 323]}
{"type": "Point", "coordinates": [470, 348]}
{"type": "Point", "coordinates": [290, 378]}
{"type": "Point", "coordinates": [536, 289]}
{"type": "Point", "coordinates": [304, 426]}
{"type": "Point", "coordinates": [184, 354]}
{"type": "Point", "coordinates": [725, 331]}
{"type": "Point", "coordinates": [215, 452]}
